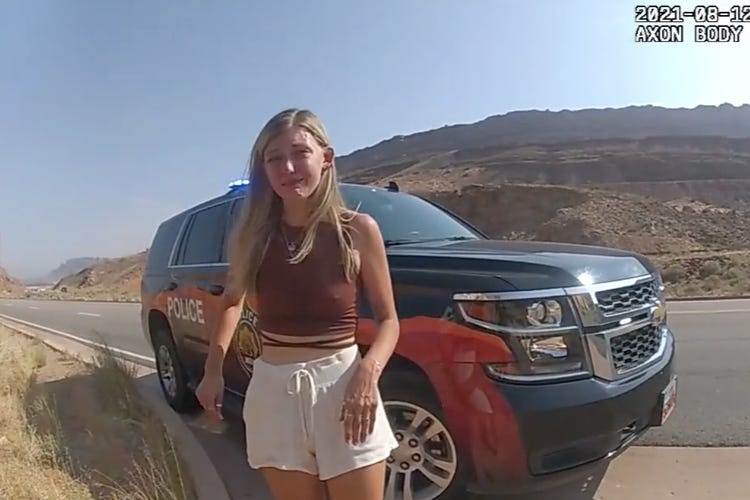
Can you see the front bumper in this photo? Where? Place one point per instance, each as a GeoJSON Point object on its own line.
{"type": "Point", "coordinates": [568, 429]}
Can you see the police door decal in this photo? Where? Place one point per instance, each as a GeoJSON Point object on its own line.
{"type": "Point", "coordinates": [247, 343]}
{"type": "Point", "coordinates": [185, 309]}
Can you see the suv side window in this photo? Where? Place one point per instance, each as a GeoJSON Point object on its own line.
{"type": "Point", "coordinates": [235, 211]}
{"type": "Point", "coordinates": [204, 240]}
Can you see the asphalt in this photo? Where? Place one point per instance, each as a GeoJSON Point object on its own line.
{"type": "Point", "coordinates": [713, 365]}
{"type": "Point", "coordinates": [111, 323]}
{"type": "Point", "coordinates": [713, 349]}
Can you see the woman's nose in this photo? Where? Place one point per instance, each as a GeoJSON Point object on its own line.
{"type": "Point", "coordinates": [288, 166]}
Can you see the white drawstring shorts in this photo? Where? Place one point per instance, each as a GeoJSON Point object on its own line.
{"type": "Point", "coordinates": [291, 415]}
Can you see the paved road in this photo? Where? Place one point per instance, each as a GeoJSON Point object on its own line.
{"type": "Point", "coordinates": [713, 363]}
{"type": "Point", "coordinates": [114, 324]}
{"type": "Point", "coordinates": [713, 359]}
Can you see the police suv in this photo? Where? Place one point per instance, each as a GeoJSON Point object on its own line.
{"type": "Point", "coordinates": [520, 366]}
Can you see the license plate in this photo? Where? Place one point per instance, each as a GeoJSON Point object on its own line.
{"type": "Point", "coordinates": [669, 400]}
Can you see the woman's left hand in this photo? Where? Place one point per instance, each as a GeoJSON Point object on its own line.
{"type": "Point", "coordinates": [361, 402]}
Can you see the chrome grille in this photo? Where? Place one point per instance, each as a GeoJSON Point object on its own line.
{"type": "Point", "coordinates": [632, 349]}
{"type": "Point", "coordinates": [626, 298]}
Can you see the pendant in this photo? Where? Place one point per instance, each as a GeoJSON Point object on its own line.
{"type": "Point", "coordinates": [291, 247]}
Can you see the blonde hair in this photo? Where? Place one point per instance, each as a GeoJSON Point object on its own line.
{"type": "Point", "coordinates": [262, 207]}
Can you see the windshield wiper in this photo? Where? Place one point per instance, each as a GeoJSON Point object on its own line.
{"type": "Point", "coordinates": [400, 241]}
{"type": "Point", "coordinates": [411, 241]}
{"type": "Point", "coordinates": [460, 238]}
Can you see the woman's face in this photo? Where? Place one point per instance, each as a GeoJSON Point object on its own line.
{"type": "Point", "coordinates": [294, 163]}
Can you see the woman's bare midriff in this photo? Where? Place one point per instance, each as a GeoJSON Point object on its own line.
{"type": "Point", "coordinates": [278, 355]}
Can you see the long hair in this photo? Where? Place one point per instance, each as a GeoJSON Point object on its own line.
{"type": "Point", "coordinates": [261, 213]}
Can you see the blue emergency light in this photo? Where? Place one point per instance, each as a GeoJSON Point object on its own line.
{"type": "Point", "coordinates": [239, 183]}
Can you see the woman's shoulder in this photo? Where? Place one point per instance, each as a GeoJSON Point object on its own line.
{"type": "Point", "coordinates": [364, 229]}
{"type": "Point", "coordinates": [358, 221]}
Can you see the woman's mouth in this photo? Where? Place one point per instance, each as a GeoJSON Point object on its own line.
{"type": "Point", "coordinates": [292, 183]}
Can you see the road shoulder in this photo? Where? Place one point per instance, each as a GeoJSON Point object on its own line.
{"type": "Point", "coordinates": [657, 473]}
{"type": "Point", "coordinates": [207, 481]}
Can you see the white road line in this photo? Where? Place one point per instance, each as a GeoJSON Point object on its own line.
{"type": "Point", "coordinates": [707, 301]}
{"type": "Point", "coordinates": [81, 340]}
{"type": "Point", "coordinates": [708, 311]}
{"type": "Point", "coordinates": [93, 315]}
{"type": "Point", "coordinates": [33, 307]}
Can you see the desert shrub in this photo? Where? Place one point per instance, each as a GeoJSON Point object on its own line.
{"type": "Point", "coordinates": [674, 273]}
{"type": "Point", "coordinates": [709, 268]}
{"type": "Point", "coordinates": [712, 283]}
{"type": "Point", "coordinates": [691, 290]}
{"type": "Point", "coordinates": [733, 274]}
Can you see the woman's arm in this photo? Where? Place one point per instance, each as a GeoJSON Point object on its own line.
{"type": "Point", "coordinates": [376, 278]}
{"type": "Point", "coordinates": [210, 391]}
{"type": "Point", "coordinates": [221, 338]}
{"type": "Point", "coordinates": [361, 400]}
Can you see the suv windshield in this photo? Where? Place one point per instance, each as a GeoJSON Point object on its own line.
{"type": "Point", "coordinates": [405, 218]}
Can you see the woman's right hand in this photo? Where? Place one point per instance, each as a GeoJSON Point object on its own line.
{"type": "Point", "coordinates": [210, 394]}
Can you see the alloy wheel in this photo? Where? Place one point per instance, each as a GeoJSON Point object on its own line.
{"type": "Point", "coordinates": [425, 462]}
{"type": "Point", "coordinates": [167, 371]}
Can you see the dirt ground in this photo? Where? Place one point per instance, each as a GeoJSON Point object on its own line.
{"type": "Point", "coordinates": [73, 431]}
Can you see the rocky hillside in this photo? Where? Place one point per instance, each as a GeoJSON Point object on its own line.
{"type": "Point", "coordinates": [10, 286]}
{"type": "Point", "coordinates": [109, 279]}
{"type": "Point", "coordinates": [597, 217]}
{"type": "Point", "coordinates": [711, 170]}
{"type": "Point", "coordinates": [70, 266]}
{"type": "Point", "coordinates": [554, 127]}
{"type": "Point", "coordinates": [701, 153]}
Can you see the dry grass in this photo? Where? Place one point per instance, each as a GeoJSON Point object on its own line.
{"type": "Point", "coordinates": [73, 431]}
{"type": "Point", "coordinates": [33, 464]}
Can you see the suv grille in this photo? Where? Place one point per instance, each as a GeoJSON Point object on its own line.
{"type": "Point", "coordinates": [626, 298]}
{"type": "Point", "coordinates": [632, 349]}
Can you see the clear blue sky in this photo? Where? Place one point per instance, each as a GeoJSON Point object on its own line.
{"type": "Point", "coordinates": [116, 114]}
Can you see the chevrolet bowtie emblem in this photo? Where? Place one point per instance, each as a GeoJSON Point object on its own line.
{"type": "Point", "coordinates": [659, 312]}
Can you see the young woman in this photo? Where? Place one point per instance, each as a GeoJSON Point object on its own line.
{"type": "Point", "coordinates": [315, 422]}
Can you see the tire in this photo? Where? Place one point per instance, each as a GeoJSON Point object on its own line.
{"type": "Point", "coordinates": [171, 374]}
{"type": "Point", "coordinates": [407, 396]}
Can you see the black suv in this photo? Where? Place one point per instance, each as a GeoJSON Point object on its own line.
{"type": "Point", "coordinates": [520, 364]}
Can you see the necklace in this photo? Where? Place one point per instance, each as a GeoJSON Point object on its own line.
{"type": "Point", "coordinates": [291, 246]}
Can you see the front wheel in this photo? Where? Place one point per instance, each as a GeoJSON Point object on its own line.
{"type": "Point", "coordinates": [172, 376]}
{"type": "Point", "coordinates": [426, 465]}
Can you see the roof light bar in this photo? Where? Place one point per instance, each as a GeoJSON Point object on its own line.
{"type": "Point", "coordinates": [239, 183]}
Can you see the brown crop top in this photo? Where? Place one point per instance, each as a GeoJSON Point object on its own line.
{"type": "Point", "coordinates": [310, 298]}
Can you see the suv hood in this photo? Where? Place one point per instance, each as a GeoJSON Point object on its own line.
{"type": "Point", "coordinates": [528, 265]}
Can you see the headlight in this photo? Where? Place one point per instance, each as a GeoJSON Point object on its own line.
{"type": "Point", "coordinates": [518, 316]}
{"type": "Point", "coordinates": [542, 333]}
{"type": "Point", "coordinates": [659, 285]}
